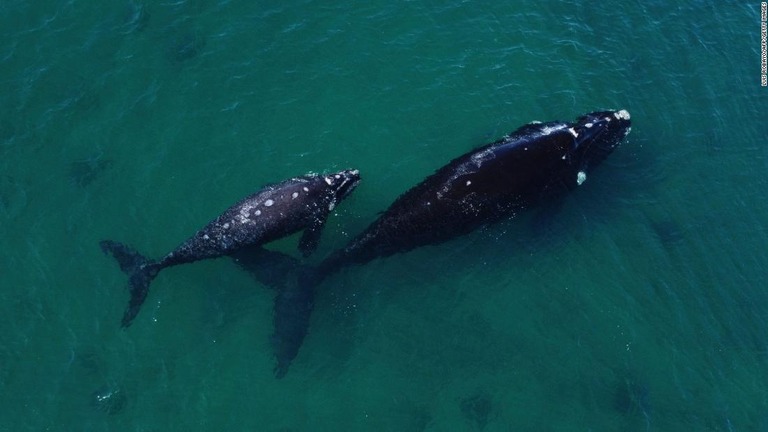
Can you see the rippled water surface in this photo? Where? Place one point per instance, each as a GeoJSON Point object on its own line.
{"type": "Point", "coordinates": [638, 305]}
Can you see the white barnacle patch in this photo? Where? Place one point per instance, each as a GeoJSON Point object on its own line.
{"type": "Point", "coordinates": [573, 132]}
{"type": "Point", "coordinates": [295, 195]}
{"type": "Point", "coordinates": [257, 213]}
{"type": "Point", "coordinates": [469, 182]}
{"type": "Point", "coordinates": [337, 176]}
{"type": "Point", "coordinates": [622, 114]}
{"type": "Point", "coordinates": [552, 128]}
{"type": "Point", "coordinates": [328, 180]}
{"type": "Point", "coordinates": [331, 206]}
{"type": "Point", "coordinates": [205, 237]}
{"type": "Point", "coordinates": [245, 212]}
{"type": "Point", "coordinates": [226, 225]}
{"type": "Point", "coordinates": [268, 203]}
{"type": "Point", "coordinates": [563, 158]}
{"type": "Point", "coordinates": [581, 177]}
{"type": "Point", "coordinates": [306, 189]}
{"type": "Point", "coordinates": [588, 125]}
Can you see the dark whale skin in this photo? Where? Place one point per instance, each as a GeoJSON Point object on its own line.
{"type": "Point", "coordinates": [497, 181]}
{"type": "Point", "coordinates": [535, 163]}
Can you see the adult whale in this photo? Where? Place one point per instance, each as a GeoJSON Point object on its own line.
{"type": "Point", "coordinates": [538, 161]}
{"type": "Point", "coordinates": [275, 211]}
{"type": "Point", "coordinates": [497, 181]}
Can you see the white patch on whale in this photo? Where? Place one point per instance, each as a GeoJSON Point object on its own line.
{"type": "Point", "coordinates": [244, 212]}
{"type": "Point", "coordinates": [573, 132]}
{"type": "Point", "coordinates": [226, 225]}
{"type": "Point", "coordinates": [268, 203]}
{"type": "Point", "coordinates": [483, 156]}
{"type": "Point", "coordinates": [622, 114]}
{"type": "Point", "coordinates": [331, 206]}
{"type": "Point", "coordinates": [328, 180]}
{"type": "Point", "coordinates": [295, 195]}
{"type": "Point", "coordinates": [257, 212]}
{"type": "Point", "coordinates": [581, 177]}
{"type": "Point", "coordinates": [554, 128]}
{"type": "Point", "coordinates": [306, 189]}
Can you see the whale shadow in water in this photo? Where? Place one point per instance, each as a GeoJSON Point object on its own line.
{"type": "Point", "coordinates": [668, 231]}
{"type": "Point", "coordinates": [477, 409]}
{"type": "Point", "coordinates": [185, 47]}
{"type": "Point", "coordinates": [632, 399]}
{"type": "Point", "coordinates": [83, 172]}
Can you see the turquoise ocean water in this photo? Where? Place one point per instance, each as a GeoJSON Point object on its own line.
{"type": "Point", "coordinates": [640, 305]}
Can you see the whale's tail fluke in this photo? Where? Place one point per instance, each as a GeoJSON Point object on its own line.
{"type": "Point", "coordinates": [295, 285]}
{"type": "Point", "coordinates": [140, 271]}
{"type": "Point", "coordinates": [292, 311]}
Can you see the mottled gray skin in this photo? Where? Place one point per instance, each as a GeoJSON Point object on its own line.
{"type": "Point", "coordinates": [276, 211]}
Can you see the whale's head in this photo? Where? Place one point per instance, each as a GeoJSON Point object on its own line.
{"type": "Point", "coordinates": [343, 183]}
{"type": "Point", "coordinates": [597, 134]}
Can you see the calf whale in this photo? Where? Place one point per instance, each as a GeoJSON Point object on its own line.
{"type": "Point", "coordinates": [537, 162]}
{"type": "Point", "coordinates": [275, 211]}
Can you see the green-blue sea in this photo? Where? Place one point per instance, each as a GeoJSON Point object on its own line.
{"type": "Point", "coordinates": [639, 304]}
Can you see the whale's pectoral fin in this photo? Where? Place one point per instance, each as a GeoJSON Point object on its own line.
{"type": "Point", "coordinates": [268, 267]}
{"type": "Point", "coordinates": [311, 237]}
